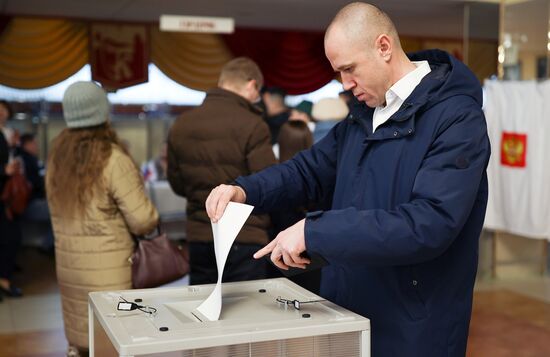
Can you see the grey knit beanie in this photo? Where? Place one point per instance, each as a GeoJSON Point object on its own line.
{"type": "Point", "coordinates": [85, 104]}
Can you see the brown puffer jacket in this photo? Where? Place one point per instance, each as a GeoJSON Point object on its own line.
{"type": "Point", "coordinates": [213, 144]}
{"type": "Point", "coordinates": [91, 252]}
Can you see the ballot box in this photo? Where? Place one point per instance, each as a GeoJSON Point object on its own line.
{"type": "Point", "coordinates": [259, 318]}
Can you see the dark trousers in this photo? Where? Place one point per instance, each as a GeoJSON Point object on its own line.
{"type": "Point", "coordinates": [10, 239]}
{"type": "Point", "coordinates": [240, 264]}
{"type": "Point", "coordinates": [310, 280]}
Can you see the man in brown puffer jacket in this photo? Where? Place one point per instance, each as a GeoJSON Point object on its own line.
{"type": "Point", "coordinates": [218, 141]}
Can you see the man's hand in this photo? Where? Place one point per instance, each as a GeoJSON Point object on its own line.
{"type": "Point", "coordinates": [219, 197]}
{"type": "Point", "coordinates": [286, 248]}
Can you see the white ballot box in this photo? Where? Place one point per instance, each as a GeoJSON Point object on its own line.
{"type": "Point", "coordinates": [259, 318]}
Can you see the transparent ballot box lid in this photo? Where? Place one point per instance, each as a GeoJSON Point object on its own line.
{"type": "Point", "coordinates": [252, 311]}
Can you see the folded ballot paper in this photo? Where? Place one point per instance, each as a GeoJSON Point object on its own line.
{"type": "Point", "coordinates": [225, 232]}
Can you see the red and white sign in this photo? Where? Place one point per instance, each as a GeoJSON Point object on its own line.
{"type": "Point", "coordinates": [197, 24]}
{"type": "Point", "coordinates": [119, 54]}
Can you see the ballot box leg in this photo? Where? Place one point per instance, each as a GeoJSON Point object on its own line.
{"type": "Point", "coordinates": [91, 330]}
{"type": "Point", "coordinates": [365, 343]}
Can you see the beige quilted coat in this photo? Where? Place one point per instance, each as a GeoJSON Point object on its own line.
{"type": "Point", "coordinates": [92, 251]}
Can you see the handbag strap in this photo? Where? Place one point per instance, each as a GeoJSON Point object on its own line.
{"type": "Point", "coordinates": [137, 238]}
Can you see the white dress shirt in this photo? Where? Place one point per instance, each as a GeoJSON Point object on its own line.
{"type": "Point", "coordinates": [396, 95]}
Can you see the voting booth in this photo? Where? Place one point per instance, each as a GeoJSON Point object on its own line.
{"type": "Point", "coordinates": [267, 318]}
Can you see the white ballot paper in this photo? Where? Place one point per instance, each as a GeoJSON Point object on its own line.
{"type": "Point", "coordinates": [225, 232]}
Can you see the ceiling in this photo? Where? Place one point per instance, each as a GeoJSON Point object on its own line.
{"type": "Point", "coordinates": [427, 18]}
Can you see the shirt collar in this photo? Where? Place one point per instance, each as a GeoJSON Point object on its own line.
{"type": "Point", "coordinates": [405, 86]}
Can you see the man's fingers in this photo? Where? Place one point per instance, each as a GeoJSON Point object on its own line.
{"type": "Point", "coordinates": [219, 207]}
{"type": "Point", "coordinates": [298, 259]}
{"type": "Point", "coordinates": [219, 198]}
{"type": "Point", "coordinates": [278, 260]}
{"type": "Point", "coordinates": [293, 261]}
{"type": "Point", "coordinates": [211, 203]}
{"type": "Point", "coordinates": [217, 201]}
{"type": "Point", "coordinates": [224, 196]}
{"type": "Point", "coordinates": [287, 259]}
{"type": "Point", "coordinates": [265, 250]}
{"type": "Point", "coordinates": [207, 204]}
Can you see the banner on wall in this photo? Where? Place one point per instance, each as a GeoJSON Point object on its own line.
{"type": "Point", "coordinates": [119, 54]}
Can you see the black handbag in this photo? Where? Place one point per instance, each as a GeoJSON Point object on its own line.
{"type": "Point", "coordinates": [157, 261]}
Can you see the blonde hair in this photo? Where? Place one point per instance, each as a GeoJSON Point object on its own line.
{"type": "Point", "coordinates": [240, 71]}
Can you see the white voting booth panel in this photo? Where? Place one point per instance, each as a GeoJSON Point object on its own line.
{"type": "Point", "coordinates": [252, 323]}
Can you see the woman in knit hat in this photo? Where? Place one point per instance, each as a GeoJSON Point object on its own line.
{"type": "Point", "coordinates": [97, 200]}
{"type": "Point", "coordinates": [327, 112]}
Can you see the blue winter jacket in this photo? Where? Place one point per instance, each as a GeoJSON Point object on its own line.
{"type": "Point", "coordinates": [404, 208]}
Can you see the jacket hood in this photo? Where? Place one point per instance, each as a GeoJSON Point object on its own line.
{"type": "Point", "coordinates": [449, 77]}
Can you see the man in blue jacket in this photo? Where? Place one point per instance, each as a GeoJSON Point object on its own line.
{"type": "Point", "coordinates": [403, 184]}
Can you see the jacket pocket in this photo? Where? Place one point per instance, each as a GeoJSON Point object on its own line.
{"type": "Point", "coordinates": [411, 284]}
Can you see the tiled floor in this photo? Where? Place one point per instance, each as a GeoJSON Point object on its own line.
{"type": "Point", "coordinates": [33, 325]}
{"type": "Point", "coordinates": [510, 317]}
{"type": "Point", "coordinates": [40, 308]}
{"type": "Point", "coordinates": [507, 323]}
{"type": "Point", "coordinates": [42, 312]}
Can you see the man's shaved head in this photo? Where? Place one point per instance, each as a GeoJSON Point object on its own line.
{"type": "Point", "coordinates": [363, 23]}
{"type": "Point", "coordinates": [362, 45]}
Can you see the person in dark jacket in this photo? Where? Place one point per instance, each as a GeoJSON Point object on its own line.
{"type": "Point", "coordinates": [294, 137]}
{"type": "Point", "coordinates": [215, 143]}
{"type": "Point", "coordinates": [37, 209]}
{"type": "Point", "coordinates": [276, 111]}
{"type": "Point", "coordinates": [403, 179]}
{"type": "Point", "coordinates": [10, 234]}
{"type": "Point", "coordinates": [34, 168]}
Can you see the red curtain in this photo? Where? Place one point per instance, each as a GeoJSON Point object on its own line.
{"type": "Point", "coordinates": [4, 22]}
{"type": "Point", "coordinates": [291, 60]}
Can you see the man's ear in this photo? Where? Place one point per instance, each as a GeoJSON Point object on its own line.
{"type": "Point", "coordinates": [252, 84]}
{"type": "Point", "coordinates": [384, 46]}
{"type": "Point", "coordinates": [251, 88]}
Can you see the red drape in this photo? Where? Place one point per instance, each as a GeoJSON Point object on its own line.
{"type": "Point", "coordinates": [291, 60]}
